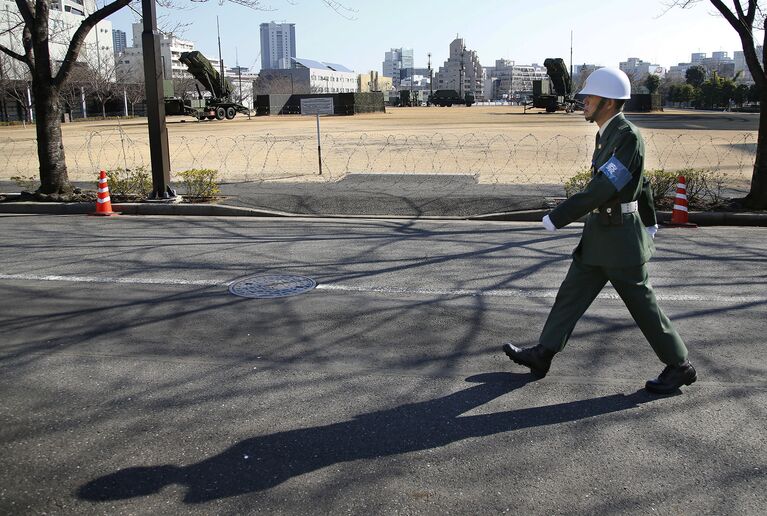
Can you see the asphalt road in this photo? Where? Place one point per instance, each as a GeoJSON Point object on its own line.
{"type": "Point", "coordinates": [133, 382]}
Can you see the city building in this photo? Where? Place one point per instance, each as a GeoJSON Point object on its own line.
{"type": "Point", "coordinates": [395, 61]}
{"type": "Point", "coordinates": [719, 62]}
{"type": "Point", "coordinates": [461, 72]}
{"type": "Point", "coordinates": [638, 70]}
{"type": "Point", "coordinates": [508, 80]}
{"type": "Point", "coordinates": [697, 57]}
{"type": "Point", "coordinates": [130, 66]}
{"type": "Point", "coordinates": [242, 81]}
{"type": "Point", "coordinates": [742, 73]}
{"type": "Point", "coordinates": [65, 18]}
{"type": "Point", "coordinates": [119, 41]}
{"type": "Point", "coordinates": [305, 77]}
{"type": "Point", "coordinates": [278, 45]}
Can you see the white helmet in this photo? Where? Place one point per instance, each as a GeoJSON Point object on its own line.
{"type": "Point", "coordinates": [608, 83]}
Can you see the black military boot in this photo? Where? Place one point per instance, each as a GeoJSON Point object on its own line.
{"type": "Point", "coordinates": [537, 358]}
{"type": "Point", "coordinates": [671, 378]}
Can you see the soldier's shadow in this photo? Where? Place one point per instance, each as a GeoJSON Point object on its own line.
{"type": "Point", "coordinates": [265, 461]}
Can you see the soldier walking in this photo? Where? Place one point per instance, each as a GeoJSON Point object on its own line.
{"type": "Point", "coordinates": [616, 243]}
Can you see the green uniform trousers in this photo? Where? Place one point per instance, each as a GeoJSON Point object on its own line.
{"type": "Point", "coordinates": [582, 285]}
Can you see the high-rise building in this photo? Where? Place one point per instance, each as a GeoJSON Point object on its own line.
{"type": "Point", "coordinates": [396, 60]}
{"type": "Point", "coordinates": [119, 41]}
{"type": "Point", "coordinates": [278, 45]}
{"type": "Point", "coordinates": [461, 72]}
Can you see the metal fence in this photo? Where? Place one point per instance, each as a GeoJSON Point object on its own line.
{"type": "Point", "coordinates": [528, 159]}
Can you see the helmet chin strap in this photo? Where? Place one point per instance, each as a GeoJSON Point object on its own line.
{"type": "Point", "coordinates": [599, 107]}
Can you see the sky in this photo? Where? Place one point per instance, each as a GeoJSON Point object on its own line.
{"type": "Point", "coordinates": [604, 32]}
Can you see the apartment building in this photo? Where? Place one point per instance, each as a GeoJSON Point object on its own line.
{"type": "Point", "coordinates": [65, 18]}
{"type": "Point", "coordinates": [461, 72]}
{"type": "Point", "coordinates": [507, 80]}
{"type": "Point", "coordinates": [130, 64]}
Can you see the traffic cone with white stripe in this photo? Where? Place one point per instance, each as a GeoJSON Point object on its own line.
{"type": "Point", "coordinates": [679, 216]}
{"type": "Point", "coordinates": [103, 202]}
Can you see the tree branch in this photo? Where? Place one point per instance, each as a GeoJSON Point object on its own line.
{"type": "Point", "coordinates": [13, 54]}
{"type": "Point", "coordinates": [27, 11]}
{"type": "Point", "coordinates": [737, 23]}
{"type": "Point", "coordinates": [26, 38]}
{"type": "Point", "coordinates": [79, 37]}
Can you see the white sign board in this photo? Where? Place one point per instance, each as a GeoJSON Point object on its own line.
{"type": "Point", "coordinates": [317, 106]}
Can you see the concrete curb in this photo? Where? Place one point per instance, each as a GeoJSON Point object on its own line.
{"type": "Point", "coordinates": [702, 218]}
{"type": "Point", "coordinates": [84, 208]}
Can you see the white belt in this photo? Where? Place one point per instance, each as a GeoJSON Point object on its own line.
{"type": "Point", "coordinates": [626, 207]}
{"type": "Point", "coordinates": [629, 207]}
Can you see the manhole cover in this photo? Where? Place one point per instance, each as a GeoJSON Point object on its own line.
{"type": "Point", "coordinates": [267, 286]}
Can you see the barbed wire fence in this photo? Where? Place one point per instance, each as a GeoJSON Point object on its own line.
{"type": "Point", "coordinates": [528, 159]}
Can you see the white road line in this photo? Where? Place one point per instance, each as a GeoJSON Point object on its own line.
{"type": "Point", "coordinates": [534, 293]}
{"type": "Point", "coordinates": [510, 293]}
{"type": "Point", "coordinates": [105, 279]}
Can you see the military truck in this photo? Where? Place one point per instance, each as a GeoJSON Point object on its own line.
{"type": "Point", "coordinates": [218, 105]}
{"type": "Point", "coordinates": [561, 99]}
{"type": "Point", "coordinates": [450, 97]}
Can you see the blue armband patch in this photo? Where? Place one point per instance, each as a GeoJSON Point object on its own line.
{"type": "Point", "coordinates": [618, 174]}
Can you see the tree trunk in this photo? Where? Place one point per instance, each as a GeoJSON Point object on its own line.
{"type": "Point", "coordinates": [757, 197]}
{"type": "Point", "coordinates": [50, 146]}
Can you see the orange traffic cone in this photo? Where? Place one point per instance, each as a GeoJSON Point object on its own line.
{"type": "Point", "coordinates": [103, 203]}
{"type": "Point", "coordinates": [679, 216]}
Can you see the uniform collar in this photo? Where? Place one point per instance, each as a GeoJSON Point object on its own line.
{"type": "Point", "coordinates": [604, 126]}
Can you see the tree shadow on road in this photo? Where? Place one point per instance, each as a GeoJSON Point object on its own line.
{"type": "Point", "coordinates": [263, 462]}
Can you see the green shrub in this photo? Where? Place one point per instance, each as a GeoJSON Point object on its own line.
{"type": "Point", "coordinates": [704, 187]}
{"type": "Point", "coordinates": [662, 184]}
{"type": "Point", "coordinates": [136, 181]}
{"type": "Point", "coordinates": [577, 183]}
{"type": "Point", "coordinates": [26, 183]}
{"type": "Point", "coordinates": [201, 183]}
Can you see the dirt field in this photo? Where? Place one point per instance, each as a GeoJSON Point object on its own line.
{"type": "Point", "coordinates": [496, 143]}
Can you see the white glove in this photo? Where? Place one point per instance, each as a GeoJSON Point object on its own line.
{"type": "Point", "coordinates": [651, 230]}
{"type": "Point", "coordinates": [548, 224]}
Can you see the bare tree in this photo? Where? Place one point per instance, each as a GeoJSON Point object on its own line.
{"type": "Point", "coordinates": [747, 17]}
{"type": "Point", "coordinates": [32, 46]}
{"type": "Point", "coordinates": [15, 83]}
{"type": "Point", "coordinates": [100, 76]}
{"type": "Point", "coordinates": [135, 92]}
{"type": "Point", "coordinates": [185, 86]}
{"type": "Point", "coordinates": [73, 91]}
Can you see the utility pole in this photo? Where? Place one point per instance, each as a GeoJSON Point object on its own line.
{"type": "Point", "coordinates": [431, 80]}
{"type": "Point", "coordinates": [460, 73]}
{"type": "Point", "coordinates": [511, 84]}
{"type": "Point", "coordinates": [155, 105]}
{"type": "Point", "coordinates": [571, 56]}
{"type": "Point", "coordinates": [239, 72]}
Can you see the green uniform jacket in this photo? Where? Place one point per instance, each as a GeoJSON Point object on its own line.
{"type": "Point", "coordinates": [626, 244]}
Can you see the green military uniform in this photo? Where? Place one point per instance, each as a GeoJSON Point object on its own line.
{"type": "Point", "coordinates": [614, 245]}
